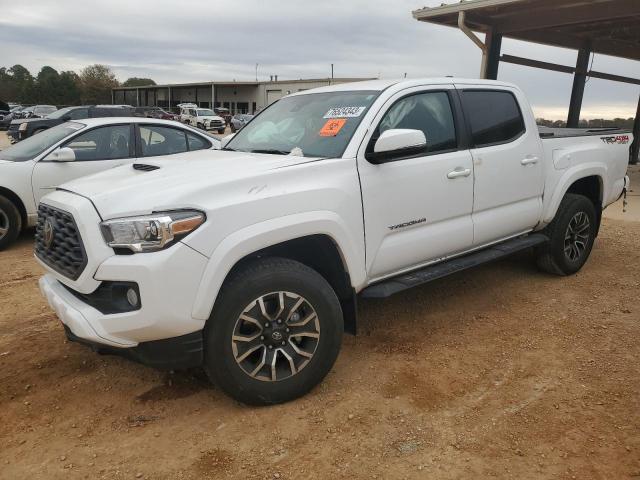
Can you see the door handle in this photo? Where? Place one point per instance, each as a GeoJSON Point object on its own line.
{"type": "Point", "coordinates": [529, 161]}
{"type": "Point", "coordinates": [459, 172]}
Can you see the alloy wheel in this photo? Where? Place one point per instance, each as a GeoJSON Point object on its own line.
{"type": "Point", "coordinates": [577, 236]}
{"type": "Point", "coordinates": [4, 224]}
{"type": "Point", "coordinates": [275, 336]}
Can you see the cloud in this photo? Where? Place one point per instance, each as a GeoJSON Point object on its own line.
{"type": "Point", "coordinates": [191, 41]}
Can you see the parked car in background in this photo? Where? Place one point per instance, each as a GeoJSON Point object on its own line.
{"type": "Point", "coordinates": [204, 118]}
{"type": "Point", "coordinates": [32, 126]}
{"type": "Point", "coordinates": [184, 111]}
{"type": "Point", "coordinates": [8, 118]}
{"type": "Point", "coordinates": [5, 118]}
{"type": "Point", "coordinates": [37, 165]}
{"type": "Point", "coordinates": [239, 120]}
{"type": "Point", "coordinates": [249, 264]}
{"type": "Point", "coordinates": [24, 112]}
{"type": "Point", "coordinates": [162, 114]}
{"type": "Point", "coordinates": [40, 111]}
{"type": "Point", "coordinates": [224, 113]}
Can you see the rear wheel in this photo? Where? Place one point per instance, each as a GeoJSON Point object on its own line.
{"type": "Point", "coordinates": [10, 222]}
{"type": "Point", "coordinates": [572, 234]}
{"type": "Point", "coordinates": [275, 332]}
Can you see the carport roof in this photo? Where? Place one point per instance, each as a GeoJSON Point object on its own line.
{"type": "Point", "coordinates": [610, 27]}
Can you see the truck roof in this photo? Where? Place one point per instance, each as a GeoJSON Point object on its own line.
{"type": "Point", "coordinates": [380, 85]}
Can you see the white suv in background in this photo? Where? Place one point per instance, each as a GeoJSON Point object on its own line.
{"type": "Point", "coordinates": [203, 118]}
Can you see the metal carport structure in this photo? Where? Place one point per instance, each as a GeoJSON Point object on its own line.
{"type": "Point", "coordinates": [609, 27]}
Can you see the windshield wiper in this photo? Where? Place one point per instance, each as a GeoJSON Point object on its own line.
{"type": "Point", "coordinates": [269, 150]}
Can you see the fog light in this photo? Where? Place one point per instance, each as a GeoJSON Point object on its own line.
{"type": "Point", "coordinates": [132, 297]}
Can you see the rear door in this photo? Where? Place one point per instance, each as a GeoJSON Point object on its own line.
{"type": "Point", "coordinates": [507, 159]}
{"type": "Point", "coordinates": [417, 209]}
{"type": "Point", "coordinates": [96, 150]}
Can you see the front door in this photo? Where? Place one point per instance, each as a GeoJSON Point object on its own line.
{"type": "Point", "coordinates": [96, 150]}
{"type": "Point", "coordinates": [507, 165]}
{"type": "Point", "coordinates": [418, 209]}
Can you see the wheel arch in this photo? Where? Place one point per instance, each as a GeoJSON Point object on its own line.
{"type": "Point", "coordinates": [320, 253]}
{"type": "Point", "coordinates": [15, 199]}
{"type": "Point", "coordinates": [587, 181]}
{"type": "Point", "coordinates": [320, 244]}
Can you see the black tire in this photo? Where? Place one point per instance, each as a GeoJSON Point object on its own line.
{"type": "Point", "coordinates": [256, 280]}
{"type": "Point", "coordinates": [200, 126]}
{"type": "Point", "coordinates": [10, 222]}
{"type": "Point", "coordinates": [232, 128]}
{"type": "Point", "coordinates": [559, 257]}
{"type": "Point", "coordinates": [220, 132]}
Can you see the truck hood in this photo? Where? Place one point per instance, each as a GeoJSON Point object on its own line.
{"type": "Point", "coordinates": [178, 182]}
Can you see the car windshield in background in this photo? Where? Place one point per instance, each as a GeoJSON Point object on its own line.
{"type": "Point", "coordinates": [206, 113]}
{"type": "Point", "coordinates": [60, 113]}
{"type": "Point", "coordinates": [33, 146]}
{"type": "Point", "coordinates": [310, 125]}
{"type": "Point", "coordinates": [45, 110]}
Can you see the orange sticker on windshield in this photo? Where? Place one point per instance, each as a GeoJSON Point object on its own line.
{"type": "Point", "coordinates": [332, 127]}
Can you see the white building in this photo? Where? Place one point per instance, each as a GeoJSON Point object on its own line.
{"type": "Point", "coordinates": [238, 97]}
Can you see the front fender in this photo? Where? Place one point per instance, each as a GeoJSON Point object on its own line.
{"type": "Point", "coordinates": [250, 239]}
{"type": "Point", "coordinates": [568, 178]}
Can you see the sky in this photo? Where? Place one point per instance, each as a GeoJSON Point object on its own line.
{"type": "Point", "coordinates": [175, 41]}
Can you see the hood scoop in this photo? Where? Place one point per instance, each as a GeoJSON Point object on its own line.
{"type": "Point", "coordinates": [145, 167]}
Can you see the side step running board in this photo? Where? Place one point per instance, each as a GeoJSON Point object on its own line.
{"type": "Point", "coordinates": [397, 284]}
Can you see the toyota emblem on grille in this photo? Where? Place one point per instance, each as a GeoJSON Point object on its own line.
{"type": "Point", "coordinates": [48, 233]}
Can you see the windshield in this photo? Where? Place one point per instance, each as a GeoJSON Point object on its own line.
{"type": "Point", "coordinates": [60, 113]}
{"type": "Point", "coordinates": [206, 113]}
{"type": "Point", "coordinates": [310, 125]}
{"type": "Point", "coordinates": [33, 146]}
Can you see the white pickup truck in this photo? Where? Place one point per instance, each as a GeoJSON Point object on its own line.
{"type": "Point", "coordinates": [248, 261]}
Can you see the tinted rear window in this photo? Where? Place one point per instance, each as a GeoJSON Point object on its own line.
{"type": "Point", "coordinates": [494, 116]}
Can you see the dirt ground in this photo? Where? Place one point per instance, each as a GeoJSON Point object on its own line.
{"type": "Point", "coordinates": [498, 372]}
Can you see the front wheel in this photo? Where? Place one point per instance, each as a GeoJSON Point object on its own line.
{"type": "Point", "coordinates": [572, 233]}
{"type": "Point", "coordinates": [10, 222]}
{"type": "Point", "coordinates": [221, 131]}
{"type": "Point", "coordinates": [274, 333]}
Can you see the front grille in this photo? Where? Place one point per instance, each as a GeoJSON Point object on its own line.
{"type": "Point", "coordinates": [216, 123]}
{"type": "Point", "coordinates": [62, 250]}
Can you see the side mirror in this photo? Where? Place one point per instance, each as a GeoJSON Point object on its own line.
{"type": "Point", "coordinates": [397, 143]}
{"type": "Point", "coordinates": [224, 141]}
{"type": "Point", "coordinates": [63, 154]}
{"type": "Point", "coordinates": [66, 118]}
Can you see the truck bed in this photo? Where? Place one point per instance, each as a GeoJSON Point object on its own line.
{"type": "Point", "coordinates": [549, 132]}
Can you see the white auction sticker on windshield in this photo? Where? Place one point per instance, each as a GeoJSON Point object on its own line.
{"type": "Point", "coordinates": [344, 112]}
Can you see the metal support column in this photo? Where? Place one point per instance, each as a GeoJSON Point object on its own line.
{"type": "Point", "coordinates": [137, 97]}
{"type": "Point", "coordinates": [635, 146]}
{"type": "Point", "coordinates": [169, 97]}
{"type": "Point", "coordinates": [577, 93]}
{"type": "Point", "coordinates": [213, 96]}
{"type": "Point", "coordinates": [493, 42]}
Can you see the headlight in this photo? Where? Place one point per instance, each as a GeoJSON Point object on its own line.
{"type": "Point", "coordinates": [151, 232]}
{"type": "Point", "coordinates": [23, 126]}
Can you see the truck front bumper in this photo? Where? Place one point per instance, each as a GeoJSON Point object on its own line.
{"type": "Point", "coordinates": [174, 353]}
{"type": "Point", "coordinates": [160, 331]}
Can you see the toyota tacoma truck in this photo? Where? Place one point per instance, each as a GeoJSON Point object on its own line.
{"type": "Point", "coordinates": [248, 261]}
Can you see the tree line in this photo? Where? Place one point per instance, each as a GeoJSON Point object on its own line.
{"type": "Point", "coordinates": [90, 87]}
{"type": "Point", "coordinates": [593, 123]}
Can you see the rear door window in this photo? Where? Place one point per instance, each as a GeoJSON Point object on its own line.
{"type": "Point", "coordinates": [158, 140]}
{"type": "Point", "coordinates": [196, 142]}
{"type": "Point", "coordinates": [494, 117]}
